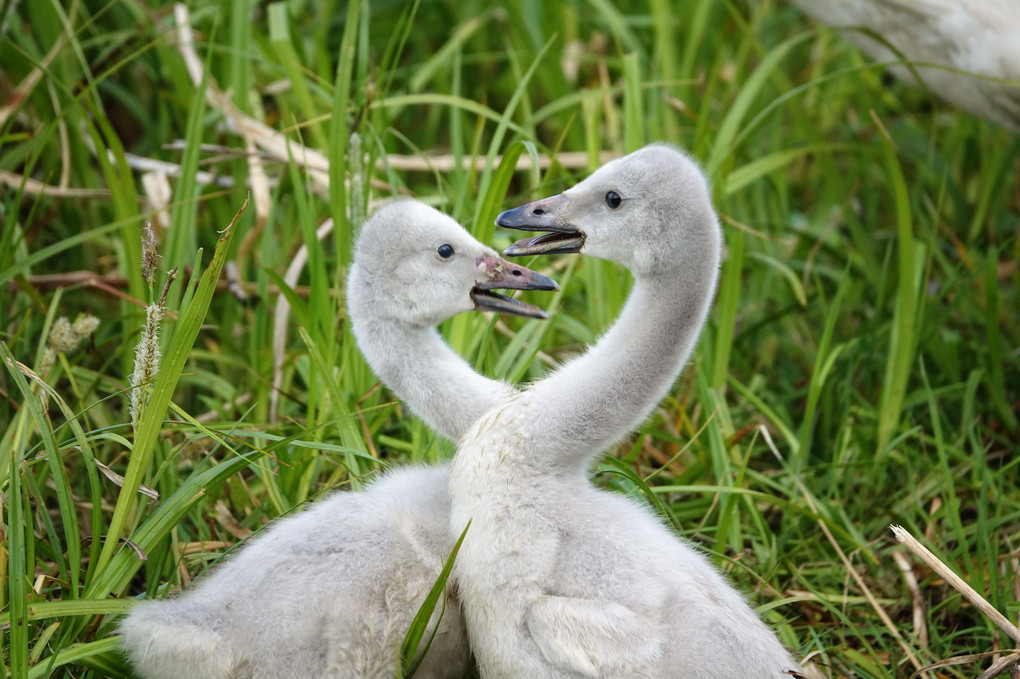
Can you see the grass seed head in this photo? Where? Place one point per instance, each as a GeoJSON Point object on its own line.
{"type": "Point", "coordinates": [150, 253]}
{"type": "Point", "coordinates": [65, 337]}
{"type": "Point", "coordinates": [147, 353]}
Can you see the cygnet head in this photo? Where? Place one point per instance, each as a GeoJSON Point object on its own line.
{"type": "Point", "coordinates": [648, 210]}
{"type": "Point", "coordinates": [417, 266]}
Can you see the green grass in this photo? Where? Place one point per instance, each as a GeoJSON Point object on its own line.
{"type": "Point", "coordinates": [860, 367]}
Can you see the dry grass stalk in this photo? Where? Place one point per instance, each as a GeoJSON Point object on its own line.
{"type": "Point", "coordinates": [261, 189]}
{"type": "Point", "coordinates": [571, 160]}
{"type": "Point", "coordinates": [998, 666]}
{"type": "Point", "coordinates": [917, 601]}
{"type": "Point", "coordinates": [34, 187]}
{"type": "Point", "coordinates": [956, 582]}
{"type": "Point", "coordinates": [64, 138]}
{"type": "Point", "coordinates": [229, 523]}
{"type": "Point", "coordinates": [158, 194]}
{"type": "Point", "coordinates": [279, 147]}
{"type": "Point", "coordinates": [270, 140]}
{"type": "Point", "coordinates": [25, 87]}
{"type": "Point", "coordinates": [234, 283]}
{"type": "Point", "coordinates": [1010, 663]}
{"type": "Point", "coordinates": [357, 194]}
{"type": "Point", "coordinates": [872, 599]}
{"type": "Point", "coordinates": [113, 283]}
{"type": "Point", "coordinates": [118, 480]}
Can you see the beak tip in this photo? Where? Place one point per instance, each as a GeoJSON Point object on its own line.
{"type": "Point", "coordinates": [509, 218]}
{"type": "Point", "coordinates": [545, 283]}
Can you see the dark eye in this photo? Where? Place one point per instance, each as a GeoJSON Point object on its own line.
{"type": "Point", "coordinates": [613, 200]}
{"type": "Point", "coordinates": [445, 251]}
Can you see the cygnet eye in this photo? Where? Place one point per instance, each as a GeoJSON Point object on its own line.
{"type": "Point", "coordinates": [613, 200]}
{"type": "Point", "coordinates": [445, 251]}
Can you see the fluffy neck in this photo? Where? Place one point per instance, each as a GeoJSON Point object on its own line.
{"type": "Point", "coordinates": [519, 472]}
{"type": "Point", "coordinates": [596, 399]}
{"type": "Point", "coordinates": [420, 368]}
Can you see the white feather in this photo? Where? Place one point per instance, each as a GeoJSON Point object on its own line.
{"type": "Point", "coordinates": [561, 579]}
{"type": "Point", "coordinates": [973, 46]}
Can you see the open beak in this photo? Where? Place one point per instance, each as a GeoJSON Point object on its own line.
{"type": "Point", "coordinates": [542, 215]}
{"type": "Point", "coordinates": [502, 274]}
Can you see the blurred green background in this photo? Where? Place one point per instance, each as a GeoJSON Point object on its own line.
{"type": "Point", "coordinates": [860, 367]}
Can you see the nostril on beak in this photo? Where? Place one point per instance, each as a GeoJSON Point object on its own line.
{"type": "Point", "coordinates": [538, 211]}
{"type": "Point", "coordinates": [517, 272]}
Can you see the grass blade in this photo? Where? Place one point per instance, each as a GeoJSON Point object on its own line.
{"type": "Point", "coordinates": [727, 304]}
{"type": "Point", "coordinates": [900, 358]}
{"type": "Point", "coordinates": [339, 137]}
{"type": "Point", "coordinates": [723, 146]}
{"type": "Point", "coordinates": [17, 567]}
{"type": "Point", "coordinates": [75, 654]}
{"type": "Point", "coordinates": [634, 123]}
{"type": "Point", "coordinates": [188, 325]}
{"type": "Point", "coordinates": [409, 663]}
{"type": "Point", "coordinates": [824, 361]}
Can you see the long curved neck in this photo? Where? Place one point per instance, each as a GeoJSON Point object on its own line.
{"type": "Point", "coordinates": [420, 368]}
{"type": "Point", "coordinates": [597, 398]}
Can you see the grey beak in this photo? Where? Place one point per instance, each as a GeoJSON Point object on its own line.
{"type": "Point", "coordinates": [542, 215]}
{"type": "Point", "coordinates": [502, 274]}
